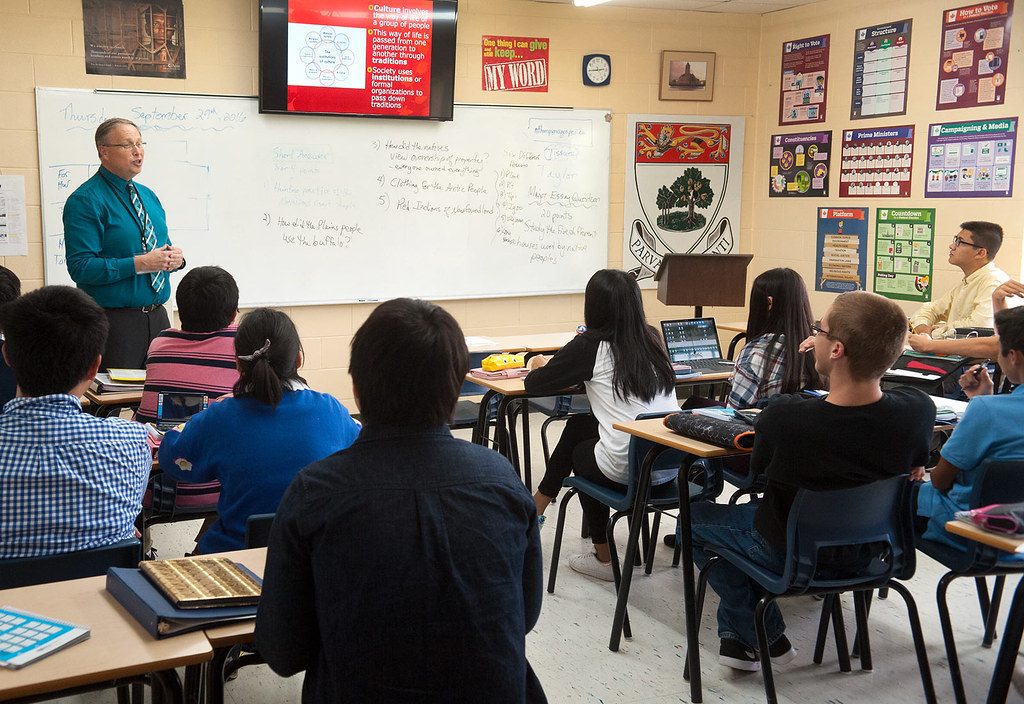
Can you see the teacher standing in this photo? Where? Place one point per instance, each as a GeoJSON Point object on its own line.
{"type": "Point", "coordinates": [116, 244]}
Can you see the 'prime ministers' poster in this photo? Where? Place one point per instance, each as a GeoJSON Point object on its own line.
{"type": "Point", "coordinates": [131, 38]}
{"type": "Point", "coordinates": [841, 255]}
{"type": "Point", "coordinates": [684, 175]}
{"type": "Point", "coordinates": [904, 251]}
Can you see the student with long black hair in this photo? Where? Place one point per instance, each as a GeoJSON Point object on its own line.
{"type": "Point", "coordinates": [256, 441]}
{"type": "Point", "coordinates": [779, 320]}
{"type": "Point", "coordinates": [624, 367]}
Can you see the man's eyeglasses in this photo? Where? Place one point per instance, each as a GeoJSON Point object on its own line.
{"type": "Point", "coordinates": [816, 329]}
{"type": "Point", "coordinates": [957, 241]}
{"type": "Point", "coordinates": [127, 146]}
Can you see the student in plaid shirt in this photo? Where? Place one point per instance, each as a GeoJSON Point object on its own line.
{"type": "Point", "coordinates": [68, 481]}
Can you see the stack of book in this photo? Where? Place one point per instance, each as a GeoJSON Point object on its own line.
{"type": "Point", "coordinates": [169, 597]}
{"type": "Point", "coordinates": [118, 381]}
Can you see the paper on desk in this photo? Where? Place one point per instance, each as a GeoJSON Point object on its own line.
{"type": "Point", "coordinates": [911, 374]}
{"type": "Point", "coordinates": [13, 218]}
{"type": "Point", "coordinates": [477, 341]}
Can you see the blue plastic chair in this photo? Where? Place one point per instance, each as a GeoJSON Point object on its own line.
{"type": "Point", "coordinates": [996, 482]}
{"type": "Point", "coordinates": [557, 408]}
{"type": "Point", "coordinates": [664, 496]}
{"type": "Point", "coordinates": [27, 571]}
{"type": "Point", "coordinates": [873, 514]}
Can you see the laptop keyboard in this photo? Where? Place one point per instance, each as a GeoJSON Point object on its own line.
{"type": "Point", "coordinates": [708, 365]}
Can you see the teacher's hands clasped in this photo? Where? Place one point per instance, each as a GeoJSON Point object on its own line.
{"type": "Point", "coordinates": [166, 258]}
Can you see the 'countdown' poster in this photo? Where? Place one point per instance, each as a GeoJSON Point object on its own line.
{"type": "Point", "coordinates": [684, 175]}
{"type": "Point", "coordinates": [841, 260]}
{"type": "Point", "coordinates": [904, 248]}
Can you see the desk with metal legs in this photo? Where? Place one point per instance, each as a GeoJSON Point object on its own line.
{"type": "Point", "coordinates": [1009, 649]}
{"type": "Point", "coordinates": [119, 651]}
{"type": "Point", "coordinates": [654, 429]}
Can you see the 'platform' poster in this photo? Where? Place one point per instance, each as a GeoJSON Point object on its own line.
{"type": "Point", "coordinates": [841, 254]}
{"type": "Point", "coordinates": [684, 175]}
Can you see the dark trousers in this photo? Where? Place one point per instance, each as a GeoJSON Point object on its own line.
{"type": "Point", "coordinates": [574, 453]}
{"type": "Point", "coordinates": [131, 331]}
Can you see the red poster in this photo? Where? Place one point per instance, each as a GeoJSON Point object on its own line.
{"type": "Point", "coordinates": [350, 56]}
{"type": "Point", "coordinates": [515, 64]}
{"type": "Point", "coordinates": [804, 83]}
{"type": "Point", "coordinates": [975, 55]}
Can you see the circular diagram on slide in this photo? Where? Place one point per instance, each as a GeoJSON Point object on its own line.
{"type": "Point", "coordinates": [327, 56]}
{"type": "Point", "coordinates": [803, 181]}
{"type": "Point", "coordinates": [820, 170]}
{"type": "Point", "coordinates": [786, 161]}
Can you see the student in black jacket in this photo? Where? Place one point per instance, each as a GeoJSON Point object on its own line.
{"type": "Point", "coordinates": [10, 288]}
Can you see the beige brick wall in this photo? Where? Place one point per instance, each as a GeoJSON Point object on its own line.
{"type": "Point", "coordinates": [41, 45]}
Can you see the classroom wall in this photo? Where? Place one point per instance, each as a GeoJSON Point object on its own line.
{"type": "Point", "coordinates": [785, 228]}
{"type": "Point", "coordinates": [41, 44]}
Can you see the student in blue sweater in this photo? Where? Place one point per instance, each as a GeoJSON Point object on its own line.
{"type": "Point", "coordinates": [255, 442]}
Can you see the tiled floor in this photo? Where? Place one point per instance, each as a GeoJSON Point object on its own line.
{"type": "Point", "coordinates": [568, 648]}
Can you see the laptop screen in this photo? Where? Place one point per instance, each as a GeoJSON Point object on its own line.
{"type": "Point", "coordinates": [694, 338]}
{"type": "Point", "coordinates": [177, 408]}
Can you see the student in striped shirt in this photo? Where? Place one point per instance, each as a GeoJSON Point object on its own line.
{"type": "Point", "coordinates": [198, 357]}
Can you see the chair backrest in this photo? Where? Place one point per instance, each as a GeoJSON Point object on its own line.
{"type": "Point", "coordinates": [865, 529]}
{"type": "Point", "coordinates": [998, 482]}
{"type": "Point", "coordinates": [26, 571]}
{"type": "Point", "coordinates": [257, 530]}
{"type": "Point", "coordinates": [666, 466]}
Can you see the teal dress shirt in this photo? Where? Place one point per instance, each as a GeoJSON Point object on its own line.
{"type": "Point", "coordinates": [103, 235]}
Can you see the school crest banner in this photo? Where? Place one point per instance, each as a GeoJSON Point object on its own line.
{"type": "Point", "coordinates": [683, 180]}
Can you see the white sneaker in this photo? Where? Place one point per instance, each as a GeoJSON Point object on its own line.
{"type": "Point", "coordinates": [588, 564]}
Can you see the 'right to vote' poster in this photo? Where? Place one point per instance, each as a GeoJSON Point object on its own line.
{"type": "Point", "coordinates": [841, 261]}
{"type": "Point", "coordinates": [804, 82]}
{"type": "Point", "coordinates": [974, 55]}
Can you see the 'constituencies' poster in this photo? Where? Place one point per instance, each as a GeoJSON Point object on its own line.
{"type": "Point", "coordinates": [804, 84]}
{"type": "Point", "coordinates": [974, 55]}
{"type": "Point", "coordinates": [841, 261]}
{"type": "Point", "coordinates": [799, 164]}
{"type": "Point", "coordinates": [904, 250]}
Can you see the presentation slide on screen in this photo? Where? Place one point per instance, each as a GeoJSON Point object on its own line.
{"type": "Point", "coordinates": [347, 56]}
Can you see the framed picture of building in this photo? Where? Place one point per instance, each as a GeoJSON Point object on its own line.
{"type": "Point", "coordinates": [687, 75]}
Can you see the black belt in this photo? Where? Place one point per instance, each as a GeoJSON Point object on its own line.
{"type": "Point", "coordinates": [144, 309]}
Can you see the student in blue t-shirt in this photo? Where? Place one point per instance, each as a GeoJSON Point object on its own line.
{"type": "Point", "coordinates": [10, 288]}
{"type": "Point", "coordinates": [989, 430]}
{"type": "Point", "coordinates": [255, 442]}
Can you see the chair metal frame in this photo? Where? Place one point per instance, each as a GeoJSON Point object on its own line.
{"type": "Point", "coordinates": [877, 512]}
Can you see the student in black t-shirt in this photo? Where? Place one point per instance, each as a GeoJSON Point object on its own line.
{"type": "Point", "coordinates": [855, 436]}
{"type": "Point", "coordinates": [10, 288]}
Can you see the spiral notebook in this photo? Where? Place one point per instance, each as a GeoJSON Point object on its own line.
{"type": "Point", "coordinates": [26, 637]}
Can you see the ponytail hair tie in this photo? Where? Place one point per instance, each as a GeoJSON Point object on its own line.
{"type": "Point", "coordinates": [261, 352]}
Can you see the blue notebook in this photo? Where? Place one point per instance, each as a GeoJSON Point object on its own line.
{"type": "Point", "coordinates": [26, 637]}
{"type": "Point", "coordinates": [150, 607]}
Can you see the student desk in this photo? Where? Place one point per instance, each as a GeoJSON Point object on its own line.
{"type": "Point", "coordinates": [224, 638]}
{"type": "Point", "coordinates": [110, 404]}
{"type": "Point", "coordinates": [536, 343]}
{"type": "Point", "coordinates": [514, 390]}
{"type": "Point", "coordinates": [1010, 647]}
{"type": "Point", "coordinates": [654, 429]}
{"type": "Point", "coordinates": [119, 650]}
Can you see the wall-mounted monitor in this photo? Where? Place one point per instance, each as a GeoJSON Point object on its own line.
{"type": "Point", "coordinates": [393, 58]}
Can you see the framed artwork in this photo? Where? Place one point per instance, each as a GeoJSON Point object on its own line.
{"type": "Point", "coordinates": [687, 75]}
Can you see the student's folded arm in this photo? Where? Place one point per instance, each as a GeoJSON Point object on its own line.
{"type": "Point", "coordinates": [287, 630]}
{"type": "Point", "coordinates": [932, 313]}
{"type": "Point", "coordinates": [979, 347]}
{"type": "Point", "coordinates": [83, 245]}
{"type": "Point", "coordinates": [181, 455]}
{"type": "Point", "coordinates": [533, 576]}
{"type": "Point", "coordinates": [571, 366]}
{"type": "Point", "coordinates": [943, 475]}
{"type": "Point", "coordinates": [981, 312]}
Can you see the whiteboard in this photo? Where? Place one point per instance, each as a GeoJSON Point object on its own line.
{"type": "Point", "coordinates": [307, 210]}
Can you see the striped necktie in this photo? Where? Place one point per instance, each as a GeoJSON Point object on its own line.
{"type": "Point", "coordinates": [157, 279]}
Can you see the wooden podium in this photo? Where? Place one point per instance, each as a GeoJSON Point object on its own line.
{"type": "Point", "coordinates": [703, 280]}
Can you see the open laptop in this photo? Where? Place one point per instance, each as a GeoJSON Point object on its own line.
{"type": "Point", "coordinates": [694, 342]}
{"type": "Point", "coordinates": [173, 409]}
